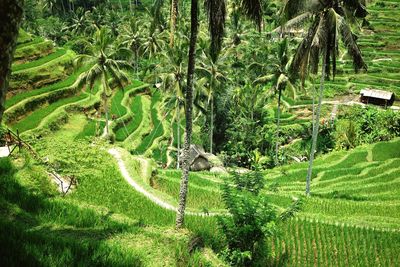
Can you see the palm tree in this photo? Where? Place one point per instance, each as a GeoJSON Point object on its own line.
{"type": "Point", "coordinates": [212, 69]}
{"type": "Point", "coordinates": [173, 17]}
{"type": "Point", "coordinates": [107, 66]}
{"type": "Point", "coordinates": [329, 21]}
{"type": "Point", "coordinates": [279, 67]}
{"type": "Point", "coordinates": [132, 37]}
{"type": "Point", "coordinates": [172, 78]}
{"type": "Point", "coordinates": [216, 15]}
{"type": "Point", "coordinates": [194, 27]}
{"type": "Point", "coordinates": [153, 44]}
{"type": "Point", "coordinates": [11, 14]}
{"type": "Point", "coordinates": [81, 23]}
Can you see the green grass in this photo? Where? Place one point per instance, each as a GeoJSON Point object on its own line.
{"type": "Point", "coordinates": [124, 230]}
{"type": "Point", "coordinates": [117, 107]}
{"type": "Point", "coordinates": [89, 130]}
{"type": "Point", "coordinates": [386, 150]}
{"type": "Point", "coordinates": [346, 187]}
{"type": "Point", "coordinates": [34, 49]}
{"type": "Point", "coordinates": [136, 108]}
{"type": "Point", "coordinates": [53, 87]}
{"type": "Point", "coordinates": [33, 120]}
{"type": "Point", "coordinates": [44, 229]}
{"type": "Point", "coordinates": [23, 37]}
{"type": "Point", "coordinates": [41, 75]}
{"type": "Point", "coordinates": [306, 243]}
{"type": "Point", "coordinates": [39, 62]}
{"type": "Point", "coordinates": [34, 41]}
{"type": "Point", "coordinates": [158, 129]}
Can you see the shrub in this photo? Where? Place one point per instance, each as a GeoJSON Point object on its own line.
{"type": "Point", "coordinates": [345, 134]}
{"type": "Point", "coordinates": [372, 124]}
{"type": "Point", "coordinates": [252, 219]}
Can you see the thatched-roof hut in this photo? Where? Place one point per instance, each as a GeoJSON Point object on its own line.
{"type": "Point", "coordinates": [202, 161]}
{"type": "Point", "coordinates": [377, 97]}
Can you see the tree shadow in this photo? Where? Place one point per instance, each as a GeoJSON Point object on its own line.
{"type": "Point", "coordinates": [36, 230]}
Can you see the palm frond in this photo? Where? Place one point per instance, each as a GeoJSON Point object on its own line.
{"type": "Point", "coordinates": [264, 79]}
{"type": "Point", "coordinates": [300, 63]}
{"type": "Point", "coordinates": [216, 11]}
{"type": "Point", "coordinates": [253, 10]}
{"type": "Point", "coordinates": [294, 23]}
{"type": "Point", "coordinates": [352, 47]}
{"type": "Point", "coordinates": [292, 9]}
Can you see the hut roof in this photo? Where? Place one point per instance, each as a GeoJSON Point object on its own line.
{"type": "Point", "coordinates": [380, 94]}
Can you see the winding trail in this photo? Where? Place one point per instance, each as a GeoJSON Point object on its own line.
{"type": "Point", "coordinates": [121, 165]}
{"type": "Point", "coordinates": [125, 173]}
{"type": "Point", "coordinates": [104, 134]}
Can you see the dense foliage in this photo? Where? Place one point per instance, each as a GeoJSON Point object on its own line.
{"type": "Point", "coordinates": [249, 109]}
{"type": "Point", "coordinates": [358, 126]}
{"type": "Point", "coordinates": [252, 219]}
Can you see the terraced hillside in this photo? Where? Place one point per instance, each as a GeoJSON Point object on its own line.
{"type": "Point", "coordinates": [380, 46]}
{"type": "Point", "coordinates": [44, 91]}
{"type": "Point", "coordinates": [353, 218]}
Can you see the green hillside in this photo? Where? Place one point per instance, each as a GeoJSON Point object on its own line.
{"type": "Point", "coordinates": [125, 189]}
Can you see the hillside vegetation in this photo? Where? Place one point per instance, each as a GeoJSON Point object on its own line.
{"type": "Point", "coordinates": [122, 209]}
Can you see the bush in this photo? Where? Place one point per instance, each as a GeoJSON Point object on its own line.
{"type": "Point", "coordinates": [371, 124]}
{"type": "Point", "coordinates": [252, 219]}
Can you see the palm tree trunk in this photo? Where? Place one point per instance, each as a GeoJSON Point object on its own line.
{"type": "Point", "coordinates": [11, 12]}
{"type": "Point", "coordinates": [278, 127]}
{"type": "Point", "coordinates": [106, 111]}
{"type": "Point", "coordinates": [188, 114]}
{"type": "Point", "coordinates": [211, 123]}
{"type": "Point", "coordinates": [178, 118]}
{"type": "Point", "coordinates": [173, 15]}
{"type": "Point", "coordinates": [63, 6]}
{"type": "Point", "coordinates": [105, 101]}
{"type": "Point", "coordinates": [316, 125]}
{"type": "Point", "coordinates": [313, 103]}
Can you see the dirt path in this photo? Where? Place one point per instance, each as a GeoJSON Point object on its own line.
{"type": "Point", "coordinates": [4, 152]}
{"type": "Point", "coordinates": [104, 135]}
{"type": "Point", "coordinates": [124, 171]}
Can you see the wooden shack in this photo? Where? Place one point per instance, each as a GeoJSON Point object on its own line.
{"type": "Point", "coordinates": [377, 97]}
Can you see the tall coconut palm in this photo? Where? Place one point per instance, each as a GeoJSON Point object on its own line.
{"type": "Point", "coordinates": [216, 15]}
{"type": "Point", "coordinates": [11, 13]}
{"type": "Point", "coordinates": [329, 22]}
{"type": "Point", "coordinates": [212, 69]}
{"type": "Point", "coordinates": [132, 37]}
{"type": "Point", "coordinates": [152, 44]}
{"type": "Point", "coordinates": [279, 77]}
{"type": "Point", "coordinates": [107, 66]}
{"type": "Point", "coordinates": [81, 23]}
{"type": "Point", "coordinates": [194, 27]}
{"type": "Point", "coordinates": [172, 78]}
{"type": "Point", "coordinates": [173, 19]}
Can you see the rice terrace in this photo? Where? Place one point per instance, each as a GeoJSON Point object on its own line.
{"type": "Point", "coordinates": [200, 133]}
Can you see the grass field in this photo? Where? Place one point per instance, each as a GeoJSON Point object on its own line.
{"type": "Point", "coordinates": [351, 219]}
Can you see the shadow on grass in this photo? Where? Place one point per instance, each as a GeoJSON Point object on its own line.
{"type": "Point", "coordinates": [36, 230]}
